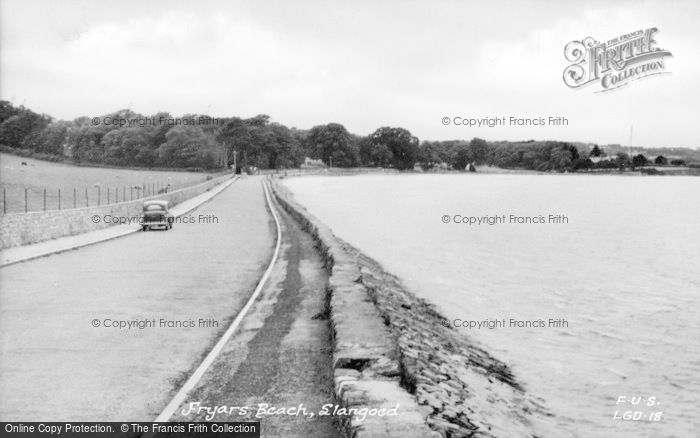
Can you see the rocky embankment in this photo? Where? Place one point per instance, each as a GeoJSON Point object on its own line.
{"type": "Point", "coordinates": [392, 348]}
{"type": "Point", "coordinates": [470, 393]}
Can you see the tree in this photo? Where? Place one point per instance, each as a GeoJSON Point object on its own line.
{"type": "Point", "coordinates": [479, 150]}
{"type": "Point", "coordinates": [235, 138]}
{"type": "Point", "coordinates": [260, 138]}
{"type": "Point", "coordinates": [333, 144]}
{"type": "Point", "coordinates": [505, 155]}
{"type": "Point", "coordinates": [565, 156]}
{"type": "Point", "coordinates": [257, 142]}
{"type": "Point", "coordinates": [7, 110]}
{"type": "Point", "coordinates": [622, 160]}
{"type": "Point", "coordinates": [535, 156]}
{"type": "Point", "coordinates": [561, 159]}
{"type": "Point", "coordinates": [461, 157]}
{"type": "Point", "coordinates": [429, 156]}
{"type": "Point", "coordinates": [187, 146]}
{"type": "Point", "coordinates": [582, 163]}
{"type": "Point", "coordinates": [49, 140]}
{"type": "Point", "coordinates": [660, 160]}
{"type": "Point", "coordinates": [283, 149]}
{"type": "Point", "coordinates": [15, 128]}
{"type": "Point", "coordinates": [155, 134]}
{"type": "Point", "coordinates": [374, 155]}
{"type": "Point", "coordinates": [123, 146]}
{"type": "Point", "coordinates": [639, 161]}
{"type": "Point", "coordinates": [403, 146]}
{"type": "Point", "coordinates": [596, 151]}
{"type": "Point", "coordinates": [85, 143]}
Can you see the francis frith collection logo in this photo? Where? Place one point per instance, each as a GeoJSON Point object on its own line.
{"type": "Point", "coordinates": [614, 63]}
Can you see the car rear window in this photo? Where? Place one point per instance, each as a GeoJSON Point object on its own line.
{"type": "Point", "coordinates": [153, 207]}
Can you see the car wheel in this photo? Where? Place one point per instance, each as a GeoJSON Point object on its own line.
{"type": "Point", "coordinates": [144, 228]}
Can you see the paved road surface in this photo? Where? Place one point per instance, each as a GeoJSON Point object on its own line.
{"type": "Point", "coordinates": [281, 355]}
{"type": "Point", "coordinates": [55, 366]}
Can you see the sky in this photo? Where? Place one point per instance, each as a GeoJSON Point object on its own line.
{"type": "Point", "coordinates": [364, 64]}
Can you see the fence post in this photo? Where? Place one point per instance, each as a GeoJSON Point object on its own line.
{"type": "Point", "coordinates": [99, 195]}
{"type": "Point", "coordinates": [44, 199]}
{"type": "Point", "coordinates": [107, 195]}
{"type": "Point", "coordinates": [87, 203]}
{"type": "Point", "coordinates": [75, 202]}
{"type": "Point", "coordinates": [25, 200]}
{"type": "Point", "coordinates": [59, 199]}
{"type": "Point", "coordinates": [4, 203]}
{"type": "Point", "coordinates": [131, 192]}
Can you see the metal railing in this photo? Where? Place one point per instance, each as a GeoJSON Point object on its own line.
{"type": "Point", "coordinates": [30, 199]}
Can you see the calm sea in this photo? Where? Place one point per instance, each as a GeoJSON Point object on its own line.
{"type": "Point", "coordinates": [619, 278]}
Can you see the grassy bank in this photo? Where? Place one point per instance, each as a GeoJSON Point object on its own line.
{"type": "Point", "coordinates": [20, 173]}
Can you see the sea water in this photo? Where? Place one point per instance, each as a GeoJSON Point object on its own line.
{"type": "Point", "coordinates": [588, 286]}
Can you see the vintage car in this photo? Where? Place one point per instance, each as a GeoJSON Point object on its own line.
{"type": "Point", "coordinates": [156, 214]}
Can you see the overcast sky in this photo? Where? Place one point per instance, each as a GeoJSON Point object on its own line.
{"type": "Point", "coordinates": [362, 64]}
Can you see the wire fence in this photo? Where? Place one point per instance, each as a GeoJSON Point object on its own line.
{"type": "Point", "coordinates": [17, 199]}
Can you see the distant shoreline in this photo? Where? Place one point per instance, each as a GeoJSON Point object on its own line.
{"type": "Point", "coordinates": [483, 170]}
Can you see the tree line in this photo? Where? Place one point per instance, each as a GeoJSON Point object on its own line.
{"type": "Point", "coordinates": [542, 156]}
{"type": "Point", "coordinates": [157, 141]}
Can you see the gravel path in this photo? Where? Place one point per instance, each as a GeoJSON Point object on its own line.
{"type": "Point", "coordinates": [281, 356]}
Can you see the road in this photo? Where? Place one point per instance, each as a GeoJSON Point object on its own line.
{"type": "Point", "coordinates": [56, 366]}
{"type": "Point", "coordinates": [281, 357]}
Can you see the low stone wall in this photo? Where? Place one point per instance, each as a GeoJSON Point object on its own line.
{"type": "Point", "coordinates": [391, 348]}
{"type": "Point", "coordinates": [18, 229]}
{"type": "Point", "coordinates": [365, 358]}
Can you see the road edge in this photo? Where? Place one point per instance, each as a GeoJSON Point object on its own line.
{"type": "Point", "coordinates": [194, 378]}
{"type": "Point", "coordinates": [99, 239]}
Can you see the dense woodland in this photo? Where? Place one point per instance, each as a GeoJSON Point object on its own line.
{"type": "Point", "coordinates": [163, 141]}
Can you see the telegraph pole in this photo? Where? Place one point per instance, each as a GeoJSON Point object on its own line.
{"type": "Point", "coordinates": [631, 132]}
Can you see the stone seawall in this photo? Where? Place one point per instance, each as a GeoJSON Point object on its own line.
{"type": "Point", "coordinates": [18, 229]}
{"type": "Point", "coordinates": [392, 348]}
{"type": "Point", "coordinates": [365, 358]}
